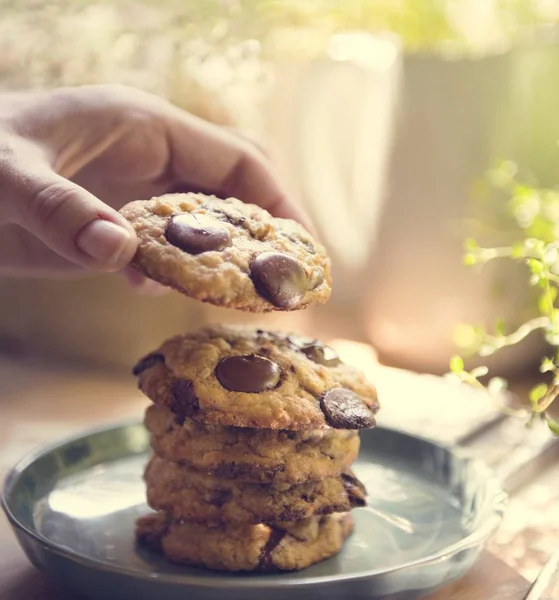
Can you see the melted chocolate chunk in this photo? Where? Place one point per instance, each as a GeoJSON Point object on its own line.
{"type": "Point", "coordinates": [266, 562]}
{"type": "Point", "coordinates": [218, 497]}
{"type": "Point", "coordinates": [315, 350]}
{"type": "Point", "coordinates": [147, 362]}
{"type": "Point", "coordinates": [178, 420]}
{"type": "Point", "coordinates": [250, 373]}
{"type": "Point", "coordinates": [197, 233]}
{"type": "Point", "coordinates": [316, 278]}
{"type": "Point", "coordinates": [185, 402]}
{"type": "Point", "coordinates": [299, 341]}
{"type": "Point", "coordinates": [263, 336]}
{"type": "Point", "coordinates": [238, 220]}
{"type": "Point", "coordinates": [298, 240]}
{"type": "Point", "coordinates": [279, 278]}
{"type": "Point", "coordinates": [323, 355]}
{"type": "Point", "coordinates": [344, 409]}
{"type": "Point", "coordinates": [356, 491]}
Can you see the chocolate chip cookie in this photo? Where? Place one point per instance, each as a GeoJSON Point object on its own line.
{"type": "Point", "coordinates": [251, 455]}
{"type": "Point", "coordinates": [248, 377]}
{"type": "Point", "coordinates": [234, 547]}
{"type": "Point", "coordinates": [195, 496]}
{"type": "Point", "coordinates": [228, 253]}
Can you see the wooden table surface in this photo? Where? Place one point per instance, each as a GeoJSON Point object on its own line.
{"type": "Point", "coordinates": [40, 405]}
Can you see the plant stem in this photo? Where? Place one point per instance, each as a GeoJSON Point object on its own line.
{"type": "Point", "coordinates": [517, 336]}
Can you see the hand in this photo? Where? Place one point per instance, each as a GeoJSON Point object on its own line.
{"type": "Point", "coordinates": [70, 158]}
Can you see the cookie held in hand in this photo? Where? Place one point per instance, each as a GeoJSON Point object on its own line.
{"type": "Point", "coordinates": [228, 253]}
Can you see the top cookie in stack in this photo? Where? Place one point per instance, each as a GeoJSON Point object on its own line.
{"type": "Point", "coordinates": [228, 253]}
{"type": "Point", "coordinates": [254, 378]}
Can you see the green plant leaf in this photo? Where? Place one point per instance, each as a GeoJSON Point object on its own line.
{"type": "Point", "coordinates": [456, 364]}
{"type": "Point", "coordinates": [535, 265]}
{"type": "Point", "coordinates": [553, 425]}
{"type": "Point", "coordinates": [467, 337]}
{"type": "Point", "coordinates": [470, 259]}
{"type": "Point", "coordinates": [537, 393]}
{"type": "Point", "coordinates": [500, 327]}
{"type": "Point", "coordinates": [522, 191]}
{"type": "Point", "coordinates": [535, 280]}
{"type": "Point", "coordinates": [547, 365]}
{"type": "Point", "coordinates": [471, 245]}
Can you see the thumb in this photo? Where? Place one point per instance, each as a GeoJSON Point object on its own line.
{"type": "Point", "coordinates": [67, 218]}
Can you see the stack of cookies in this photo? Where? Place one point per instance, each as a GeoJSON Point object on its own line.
{"type": "Point", "coordinates": [253, 431]}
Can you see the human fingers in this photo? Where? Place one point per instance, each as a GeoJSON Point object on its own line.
{"type": "Point", "coordinates": [213, 158]}
{"type": "Point", "coordinates": [64, 216]}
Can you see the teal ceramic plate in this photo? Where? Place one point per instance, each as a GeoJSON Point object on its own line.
{"type": "Point", "coordinates": [430, 514]}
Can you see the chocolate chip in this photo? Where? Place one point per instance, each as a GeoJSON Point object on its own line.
{"type": "Point", "coordinates": [178, 421]}
{"type": "Point", "coordinates": [299, 341]}
{"type": "Point", "coordinates": [315, 350]}
{"type": "Point", "coordinates": [344, 409]}
{"type": "Point", "coordinates": [184, 403]}
{"type": "Point", "coordinates": [323, 355]}
{"type": "Point", "coordinates": [250, 373]}
{"type": "Point", "coordinates": [279, 278]}
{"type": "Point", "coordinates": [309, 247]}
{"type": "Point", "coordinates": [263, 336]}
{"type": "Point", "coordinates": [266, 561]}
{"type": "Point", "coordinates": [147, 362]}
{"type": "Point", "coordinates": [356, 491]}
{"type": "Point", "coordinates": [316, 278]}
{"type": "Point", "coordinates": [197, 233]}
{"type": "Point", "coordinates": [237, 220]}
{"type": "Point", "coordinates": [218, 497]}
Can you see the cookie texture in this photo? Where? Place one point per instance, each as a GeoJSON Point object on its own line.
{"type": "Point", "coordinates": [228, 253]}
{"type": "Point", "coordinates": [251, 455]}
{"type": "Point", "coordinates": [195, 496]}
{"type": "Point", "coordinates": [233, 547]}
{"type": "Point", "coordinates": [246, 377]}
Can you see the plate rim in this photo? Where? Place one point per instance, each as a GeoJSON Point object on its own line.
{"type": "Point", "coordinates": [482, 533]}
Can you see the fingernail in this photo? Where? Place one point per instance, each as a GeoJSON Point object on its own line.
{"type": "Point", "coordinates": [104, 241]}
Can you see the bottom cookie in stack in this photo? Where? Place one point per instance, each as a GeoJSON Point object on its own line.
{"type": "Point", "coordinates": [281, 546]}
{"type": "Point", "coordinates": [224, 524]}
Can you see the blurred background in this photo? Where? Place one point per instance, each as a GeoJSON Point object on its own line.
{"type": "Point", "coordinates": [382, 116]}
